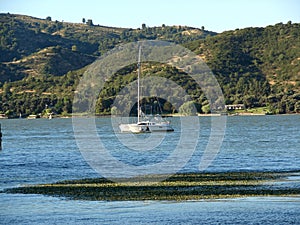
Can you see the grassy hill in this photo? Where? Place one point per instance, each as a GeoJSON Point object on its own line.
{"type": "Point", "coordinates": [42, 60]}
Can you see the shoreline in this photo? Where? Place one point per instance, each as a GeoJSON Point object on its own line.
{"type": "Point", "coordinates": [163, 115]}
{"type": "Point", "coordinates": [179, 187]}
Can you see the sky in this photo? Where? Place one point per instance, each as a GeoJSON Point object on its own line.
{"type": "Point", "coordinates": [214, 15]}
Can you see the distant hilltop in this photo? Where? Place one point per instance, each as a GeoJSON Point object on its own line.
{"type": "Point", "coordinates": [42, 61]}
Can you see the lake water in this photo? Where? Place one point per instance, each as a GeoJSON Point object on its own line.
{"type": "Point", "coordinates": [43, 151]}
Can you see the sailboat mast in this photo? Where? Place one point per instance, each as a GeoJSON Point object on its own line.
{"type": "Point", "coordinates": [138, 83]}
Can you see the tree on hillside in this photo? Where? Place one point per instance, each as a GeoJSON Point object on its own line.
{"type": "Point", "coordinates": [6, 89]}
{"type": "Point", "coordinates": [83, 20]}
{"type": "Point", "coordinates": [74, 48]}
{"type": "Point", "coordinates": [188, 109]}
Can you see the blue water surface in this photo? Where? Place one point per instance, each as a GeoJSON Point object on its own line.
{"type": "Point", "coordinates": [43, 151]}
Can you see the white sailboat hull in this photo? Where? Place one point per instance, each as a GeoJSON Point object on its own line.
{"type": "Point", "coordinates": [146, 127]}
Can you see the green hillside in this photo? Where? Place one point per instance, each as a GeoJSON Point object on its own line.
{"type": "Point", "coordinates": [42, 61]}
{"type": "Point", "coordinates": [257, 66]}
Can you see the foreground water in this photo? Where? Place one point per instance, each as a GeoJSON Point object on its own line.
{"type": "Point", "coordinates": [40, 151]}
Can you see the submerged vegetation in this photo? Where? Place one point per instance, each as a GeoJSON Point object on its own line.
{"type": "Point", "coordinates": [42, 61]}
{"type": "Point", "coordinates": [190, 186]}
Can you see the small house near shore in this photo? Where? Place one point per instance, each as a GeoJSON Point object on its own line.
{"type": "Point", "coordinates": [234, 107]}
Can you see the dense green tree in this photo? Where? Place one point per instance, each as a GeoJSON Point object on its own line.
{"type": "Point", "coordinates": [6, 89]}
{"type": "Point", "coordinates": [205, 109]}
{"type": "Point", "coordinates": [188, 109]}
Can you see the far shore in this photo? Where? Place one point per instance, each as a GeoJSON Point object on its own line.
{"type": "Point", "coordinates": [75, 115]}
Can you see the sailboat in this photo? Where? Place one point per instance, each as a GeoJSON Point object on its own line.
{"type": "Point", "coordinates": [145, 124]}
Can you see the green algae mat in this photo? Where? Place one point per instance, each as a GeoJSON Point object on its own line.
{"type": "Point", "coordinates": [178, 187]}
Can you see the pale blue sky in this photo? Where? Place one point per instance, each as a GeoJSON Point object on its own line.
{"type": "Point", "coordinates": [214, 15]}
